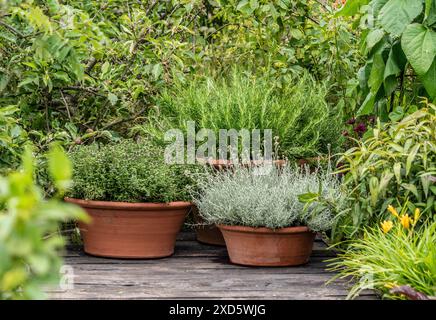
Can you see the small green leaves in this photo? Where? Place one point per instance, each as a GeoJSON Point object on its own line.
{"type": "Point", "coordinates": [419, 45]}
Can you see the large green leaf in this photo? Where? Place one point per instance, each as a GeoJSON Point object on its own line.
{"type": "Point", "coordinates": [367, 105]}
{"type": "Point", "coordinates": [351, 7]}
{"type": "Point", "coordinates": [397, 14]}
{"type": "Point", "coordinates": [419, 45]}
{"type": "Point", "coordinates": [377, 72]}
{"type": "Point", "coordinates": [392, 68]}
{"type": "Point", "coordinates": [430, 12]}
{"type": "Point", "coordinates": [377, 5]}
{"type": "Point", "coordinates": [429, 80]}
{"type": "Point", "coordinates": [373, 38]}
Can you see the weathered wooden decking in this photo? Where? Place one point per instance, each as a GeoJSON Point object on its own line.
{"type": "Point", "coordinates": [198, 271]}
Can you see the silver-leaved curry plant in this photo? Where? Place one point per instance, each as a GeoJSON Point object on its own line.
{"type": "Point", "coordinates": [267, 197]}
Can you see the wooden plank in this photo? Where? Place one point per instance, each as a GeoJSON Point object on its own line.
{"type": "Point", "coordinates": [198, 271]}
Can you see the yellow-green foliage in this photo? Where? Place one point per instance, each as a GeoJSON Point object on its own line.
{"type": "Point", "coordinates": [396, 253]}
{"type": "Point", "coordinates": [396, 164]}
{"type": "Point", "coordinates": [29, 242]}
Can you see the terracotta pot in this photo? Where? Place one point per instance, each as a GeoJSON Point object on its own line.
{"type": "Point", "coordinates": [207, 234]}
{"type": "Point", "coordinates": [131, 230]}
{"type": "Point", "coordinates": [267, 247]}
{"type": "Point", "coordinates": [228, 164]}
{"type": "Point", "coordinates": [311, 163]}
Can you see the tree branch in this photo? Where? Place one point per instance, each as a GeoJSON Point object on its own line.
{"type": "Point", "coordinates": [12, 29]}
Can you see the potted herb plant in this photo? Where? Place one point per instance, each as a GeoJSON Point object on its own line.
{"type": "Point", "coordinates": [260, 215]}
{"type": "Point", "coordinates": [210, 233]}
{"type": "Point", "coordinates": [136, 201]}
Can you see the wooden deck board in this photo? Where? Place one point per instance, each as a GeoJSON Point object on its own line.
{"type": "Point", "coordinates": [198, 271]}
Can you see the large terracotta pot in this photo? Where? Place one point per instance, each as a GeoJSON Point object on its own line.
{"type": "Point", "coordinates": [267, 247]}
{"type": "Point", "coordinates": [207, 234]}
{"type": "Point", "coordinates": [131, 230]}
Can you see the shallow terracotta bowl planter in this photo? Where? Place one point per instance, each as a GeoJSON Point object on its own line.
{"type": "Point", "coordinates": [131, 230]}
{"type": "Point", "coordinates": [207, 234]}
{"type": "Point", "coordinates": [267, 247]}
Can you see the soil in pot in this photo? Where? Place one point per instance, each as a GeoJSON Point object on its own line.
{"type": "Point", "coordinates": [207, 234]}
{"type": "Point", "coordinates": [131, 230]}
{"type": "Point", "coordinates": [267, 247]}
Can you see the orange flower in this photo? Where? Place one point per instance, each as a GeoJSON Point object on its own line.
{"type": "Point", "coordinates": [392, 210]}
{"type": "Point", "coordinates": [387, 225]}
{"type": "Point", "coordinates": [405, 221]}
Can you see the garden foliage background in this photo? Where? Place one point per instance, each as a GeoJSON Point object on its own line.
{"type": "Point", "coordinates": [76, 71]}
{"type": "Point", "coordinates": [359, 75]}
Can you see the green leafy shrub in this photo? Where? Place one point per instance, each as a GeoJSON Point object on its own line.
{"type": "Point", "coordinates": [82, 70]}
{"type": "Point", "coordinates": [397, 163]}
{"type": "Point", "coordinates": [392, 256]}
{"type": "Point", "coordinates": [127, 171]}
{"type": "Point", "coordinates": [29, 242]}
{"type": "Point", "coordinates": [398, 39]}
{"type": "Point", "coordinates": [297, 114]}
{"type": "Point", "coordinates": [12, 138]}
{"type": "Point", "coordinates": [265, 197]}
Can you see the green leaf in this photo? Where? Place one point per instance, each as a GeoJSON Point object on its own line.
{"type": "Point", "coordinates": [105, 68]}
{"type": "Point", "coordinates": [412, 188]}
{"type": "Point", "coordinates": [397, 114]}
{"type": "Point", "coordinates": [308, 197]}
{"type": "Point", "coordinates": [411, 157]}
{"type": "Point", "coordinates": [113, 99]}
{"type": "Point", "coordinates": [429, 80]}
{"type": "Point", "coordinates": [377, 73]}
{"type": "Point", "coordinates": [59, 167]}
{"type": "Point", "coordinates": [374, 190]}
{"type": "Point", "coordinates": [419, 45]}
{"type": "Point", "coordinates": [397, 171]}
{"type": "Point", "coordinates": [373, 38]}
{"type": "Point", "coordinates": [377, 5]}
{"type": "Point", "coordinates": [392, 68]}
{"type": "Point", "coordinates": [12, 279]}
{"type": "Point", "coordinates": [367, 105]}
{"type": "Point", "coordinates": [351, 7]}
{"type": "Point", "coordinates": [297, 34]}
{"type": "Point", "coordinates": [397, 14]}
{"type": "Point", "coordinates": [430, 12]}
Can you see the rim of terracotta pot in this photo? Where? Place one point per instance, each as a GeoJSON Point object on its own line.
{"type": "Point", "coordinates": [224, 162]}
{"type": "Point", "coordinates": [287, 230]}
{"type": "Point", "coordinates": [133, 206]}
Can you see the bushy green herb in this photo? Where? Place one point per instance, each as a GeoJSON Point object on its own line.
{"type": "Point", "coordinates": [127, 171]}
{"type": "Point", "coordinates": [297, 113]}
{"type": "Point", "coordinates": [29, 241]}
{"type": "Point", "coordinates": [396, 164]}
{"type": "Point", "coordinates": [265, 197]}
